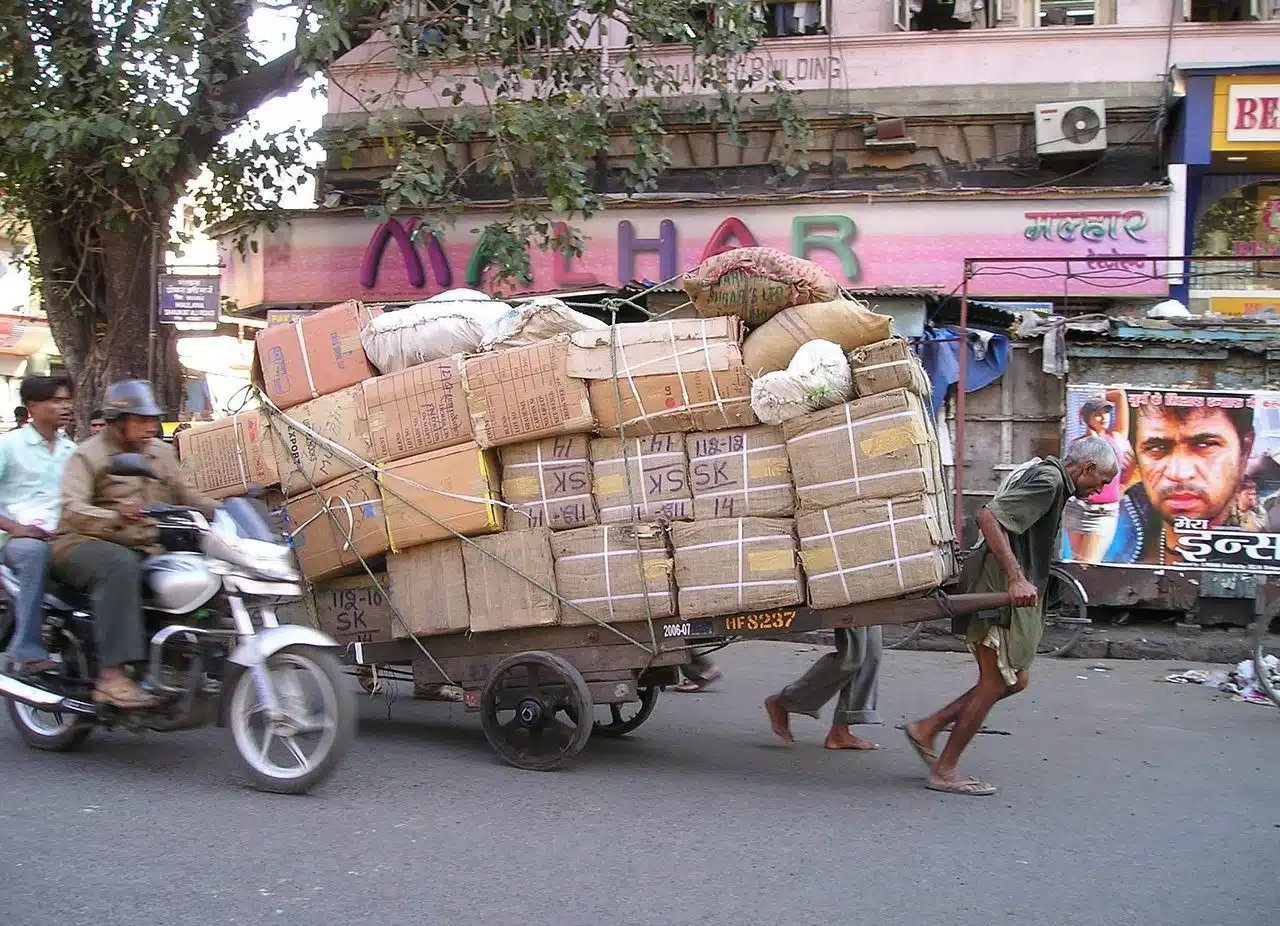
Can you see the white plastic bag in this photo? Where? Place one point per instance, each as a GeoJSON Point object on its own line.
{"type": "Point", "coordinates": [536, 320]}
{"type": "Point", "coordinates": [818, 377]}
{"type": "Point", "coordinates": [453, 322]}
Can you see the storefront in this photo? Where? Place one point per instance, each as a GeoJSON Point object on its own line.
{"type": "Point", "coordinates": [1228, 138]}
{"type": "Point", "coordinates": [869, 242]}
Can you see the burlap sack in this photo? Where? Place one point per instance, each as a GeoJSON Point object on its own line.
{"type": "Point", "coordinates": [756, 283]}
{"type": "Point", "coordinates": [845, 322]}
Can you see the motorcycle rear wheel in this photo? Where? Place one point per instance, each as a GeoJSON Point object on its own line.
{"type": "Point", "coordinates": [47, 730]}
{"type": "Point", "coordinates": [335, 722]}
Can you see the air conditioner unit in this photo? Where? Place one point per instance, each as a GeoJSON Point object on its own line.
{"type": "Point", "coordinates": [1071, 128]}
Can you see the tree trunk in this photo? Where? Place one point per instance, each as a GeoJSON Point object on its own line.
{"type": "Point", "coordinates": [96, 283]}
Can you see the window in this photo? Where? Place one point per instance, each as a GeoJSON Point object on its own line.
{"type": "Point", "coordinates": [941, 15]}
{"type": "Point", "coordinates": [786, 19]}
{"type": "Point", "coordinates": [1057, 13]}
{"type": "Point", "coordinates": [1221, 11]}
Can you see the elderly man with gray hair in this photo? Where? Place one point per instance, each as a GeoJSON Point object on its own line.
{"type": "Point", "coordinates": [1019, 536]}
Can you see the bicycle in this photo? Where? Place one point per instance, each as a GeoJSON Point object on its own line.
{"type": "Point", "coordinates": [1262, 660]}
{"type": "Point", "coordinates": [1054, 618]}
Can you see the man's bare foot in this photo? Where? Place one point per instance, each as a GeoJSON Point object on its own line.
{"type": "Point", "coordinates": [922, 745]}
{"type": "Point", "coordinates": [843, 738]}
{"type": "Point", "coordinates": [779, 719]}
{"type": "Point", "coordinates": [954, 783]}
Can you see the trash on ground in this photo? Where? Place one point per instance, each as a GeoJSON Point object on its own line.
{"type": "Point", "coordinates": [1241, 682]}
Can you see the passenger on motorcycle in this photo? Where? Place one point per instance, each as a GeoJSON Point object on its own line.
{"type": "Point", "coordinates": [103, 535]}
{"type": "Point", "coordinates": [32, 459]}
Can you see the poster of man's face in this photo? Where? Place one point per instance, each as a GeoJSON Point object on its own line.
{"type": "Point", "coordinates": [1197, 471]}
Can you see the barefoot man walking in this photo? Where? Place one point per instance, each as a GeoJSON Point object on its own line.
{"type": "Point", "coordinates": [1019, 539]}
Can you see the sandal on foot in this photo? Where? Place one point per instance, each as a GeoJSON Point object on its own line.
{"type": "Point", "coordinates": [927, 755]}
{"type": "Point", "coordinates": [968, 786]}
{"type": "Point", "coordinates": [696, 685]}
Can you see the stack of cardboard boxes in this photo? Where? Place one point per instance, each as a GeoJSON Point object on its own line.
{"type": "Point", "coordinates": [605, 476]}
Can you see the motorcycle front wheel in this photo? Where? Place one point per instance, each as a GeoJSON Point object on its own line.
{"type": "Point", "coordinates": [300, 749]}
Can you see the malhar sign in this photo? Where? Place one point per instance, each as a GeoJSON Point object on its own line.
{"type": "Point", "coordinates": [188, 300]}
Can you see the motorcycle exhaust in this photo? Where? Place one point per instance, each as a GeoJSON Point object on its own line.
{"type": "Point", "coordinates": [39, 698]}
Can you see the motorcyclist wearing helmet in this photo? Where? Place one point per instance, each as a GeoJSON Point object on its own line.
{"type": "Point", "coordinates": [103, 535]}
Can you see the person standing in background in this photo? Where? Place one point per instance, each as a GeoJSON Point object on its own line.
{"type": "Point", "coordinates": [20, 417]}
{"type": "Point", "coordinates": [1090, 523]}
{"type": "Point", "coordinates": [32, 460]}
{"type": "Point", "coordinates": [96, 421]}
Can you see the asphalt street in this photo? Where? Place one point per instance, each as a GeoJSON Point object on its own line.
{"type": "Point", "coordinates": [1124, 800]}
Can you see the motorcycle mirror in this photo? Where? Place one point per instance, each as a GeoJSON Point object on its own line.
{"type": "Point", "coordinates": [130, 464]}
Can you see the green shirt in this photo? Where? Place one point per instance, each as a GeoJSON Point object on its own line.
{"type": "Point", "coordinates": [31, 476]}
{"type": "Point", "coordinates": [1028, 505]}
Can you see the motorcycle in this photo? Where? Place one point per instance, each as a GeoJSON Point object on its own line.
{"type": "Point", "coordinates": [217, 652]}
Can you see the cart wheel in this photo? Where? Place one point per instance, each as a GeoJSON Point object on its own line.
{"type": "Point", "coordinates": [619, 724]}
{"type": "Point", "coordinates": [519, 707]}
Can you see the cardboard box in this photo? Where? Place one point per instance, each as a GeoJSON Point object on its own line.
{"type": "Point", "coordinates": [304, 461]}
{"type": "Point", "coordinates": [354, 610]}
{"type": "Point", "coordinates": [733, 565]}
{"type": "Point", "coordinates": [524, 393]}
{"type": "Point", "coordinates": [315, 355]}
{"type": "Point", "coordinates": [429, 589]}
{"type": "Point", "coordinates": [877, 447]}
{"type": "Point", "coordinates": [653, 348]}
{"type": "Point", "coordinates": [456, 487]}
{"type": "Point", "coordinates": [658, 485]}
{"type": "Point", "coordinates": [740, 473]}
{"type": "Point", "coordinates": [416, 410]}
{"type": "Point", "coordinates": [698, 401]}
{"type": "Point", "coordinates": [610, 570]}
{"type": "Point", "coordinates": [887, 365]}
{"type": "Point", "coordinates": [549, 483]}
{"type": "Point", "coordinates": [225, 457]}
{"type": "Point", "coordinates": [872, 549]}
{"type": "Point", "coordinates": [498, 572]}
{"type": "Point", "coordinates": [430, 496]}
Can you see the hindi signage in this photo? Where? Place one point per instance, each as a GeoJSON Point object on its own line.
{"type": "Point", "coordinates": [188, 299]}
{"type": "Point", "coordinates": [1199, 481]}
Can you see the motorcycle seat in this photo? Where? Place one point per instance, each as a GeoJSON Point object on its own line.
{"type": "Point", "coordinates": [59, 597]}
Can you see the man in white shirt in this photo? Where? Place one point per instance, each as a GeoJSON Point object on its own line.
{"type": "Point", "coordinates": [32, 459]}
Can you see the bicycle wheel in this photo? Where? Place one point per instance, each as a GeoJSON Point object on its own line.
{"type": "Point", "coordinates": [911, 632]}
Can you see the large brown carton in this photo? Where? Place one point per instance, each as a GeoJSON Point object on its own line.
{"type": "Point", "coordinates": [736, 564]}
{"type": "Point", "coordinates": [421, 499]}
{"type": "Point", "coordinates": [741, 473]}
{"type": "Point", "coordinates": [877, 447]}
{"type": "Point", "coordinates": [225, 457]}
{"type": "Point", "coordinates": [610, 572]}
{"type": "Point", "coordinates": [887, 365]}
{"type": "Point", "coordinates": [548, 483]}
{"type": "Point", "coordinates": [644, 477]}
{"type": "Point", "coordinates": [499, 570]}
{"type": "Point", "coordinates": [429, 589]}
{"type": "Point", "coordinates": [524, 393]}
{"type": "Point", "coordinates": [305, 460]}
{"type": "Point", "coordinates": [314, 355]}
{"type": "Point", "coordinates": [433, 495]}
{"type": "Point", "coordinates": [333, 528]}
{"type": "Point", "coordinates": [354, 610]}
{"type": "Point", "coordinates": [653, 348]}
{"type": "Point", "coordinates": [872, 549]}
{"type": "Point", "coordinates": [416, 410]}
{"type": "Point", "coordinates": [697, 401]}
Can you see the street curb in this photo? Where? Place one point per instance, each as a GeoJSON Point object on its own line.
{"type": "Point", "coordinates": [1216, 646]}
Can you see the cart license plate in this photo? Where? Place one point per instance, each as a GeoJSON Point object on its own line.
{"type": "Point", "coordinates": [699, 628]}
{"type": "Point", "coordinates": [764, 620]}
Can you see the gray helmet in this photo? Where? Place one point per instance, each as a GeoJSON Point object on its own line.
{"type": "Point", "coordinates": [130, 397]}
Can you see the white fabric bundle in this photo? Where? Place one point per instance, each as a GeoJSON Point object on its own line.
{"type": "Point", "coordinates": [818, 377]}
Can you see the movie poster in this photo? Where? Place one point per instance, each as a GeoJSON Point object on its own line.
{"type": "Point", "coordinates": [1199, 480]}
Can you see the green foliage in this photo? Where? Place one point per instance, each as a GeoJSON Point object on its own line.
{"type": "Point", "coordinates": [524, 90]}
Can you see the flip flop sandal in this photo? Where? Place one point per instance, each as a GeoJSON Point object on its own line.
{"type": "Point", "coordinates": [971, 787]}
{"type": "Point", "coordinates": [927, 755]}
{"type": "Point", "coordinates": [692, 687]}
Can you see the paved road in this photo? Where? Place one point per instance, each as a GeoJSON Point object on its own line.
{"type": "Point", "coordinates": [1123, 801]}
